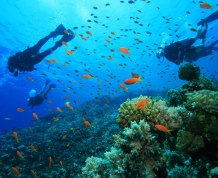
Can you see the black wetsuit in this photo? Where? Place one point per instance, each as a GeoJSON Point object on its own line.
{"type": "Point", "coordinates": [205, 51]}
{"type": "Point", "coordinates": [175, 51]}
{"type": "Point", "coordinates": [25, 61]}
{"type": "Point", "coordinates": [35, 101]}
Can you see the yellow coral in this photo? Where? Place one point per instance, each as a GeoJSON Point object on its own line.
{"type": "Point", "coordinates": [157, 112]}
{"type": "Point", "coordinates": [204, 99]}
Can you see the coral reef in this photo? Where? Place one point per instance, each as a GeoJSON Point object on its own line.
{"type": "Point", "coordinates": [183, 172]}
{"type": "Point", "coordinates": [176, 97]}
{"type": "Point", "coordinates": [136, 153]}
{"type": "Point", "coordinates": [203, 83]}
{"type": "Point", "coordinates": [66, 139]}
{"type": "Point", "coordinates": [156, 112]}
{"type": "Point", "coordinates": [204, 99]}
{"type": "Point", "coordinates": [188, 142]}
{"type": "Point", "coordinates": [214, 172]}
{"type": "Point", "coordinates": [189, 72]}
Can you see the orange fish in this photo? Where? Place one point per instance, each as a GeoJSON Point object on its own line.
{"type": "Point", "coordinates": [33, 173]}
{"type": "Point", "coordinates": [69, 52]}
{"type": "Point", "coordinates": [87, 76]}
{"type": "Point", "coordinates": [35, 116]}
{"type": "Point", "coordinates": [30, 79]}
{"type": "Point", "coordinates": [123, 87]}
{"type": "Point", "coordinates": [20, 110]}
{"type": "Point", "coordinates": [61, 164]}
{"type": "Point", "coordinates": [110, 58]}
{"type": "Point", "coordinates": [66, 32]}
{"type": "Point", "coordinates": [87, 123]}
{"type": "Point", "coordinates": [55, 119]}
{"type": "Point", "coordinates": [51, 128]}
{"type": "Point", "coordinates": [15, 170]}
{"type": "Point", "coordinates": [130, 81]}
{"type": "Point", "coordinates": [113, 33]}
{"type": "Point", "coordinates": [206, 6]}
{"type": "Point", "coordinates": [124, 50]}
{"type": "Point", "coordinates": [49, 161]}
{"type": "Point", "coordinates": [16, 136]}
{"type": "Point", "coordinates": [50, 101]}
{"type": "Point", "coordinates": [59, 110]}
{"type": "Point", "coordinates": [53, 60]}
{"type": "Point", "coordinates": [64, 43]}
{"type": "Point", "coordinates": [33, 148]}
{"type": "Point", "coordinates": [19, 155]}
{"type": "Point", "coordinates": [135, 75]}
{"type": "Point", "coordinates": [29, 128]}
{"type": "Point", "coordinates": [107, 41]}
{"type": "Point", "coordinates": [83, 38]}
{"type": "Point", "coordinates": [88, 32]}
{"type": "Point", "coordinates": [69, 106]}
{"type": "Point", "coordinates": [141, 104]}
{"type": "Point", "coordinates": [162, 128]}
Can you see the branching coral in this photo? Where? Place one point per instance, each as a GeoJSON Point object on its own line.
{"type": "Point", "coordinates": [203, 83]}
{"type": "Point", "coordinates": [176, 97]}
{"type": "Point", "coordinates": [136, 153]}
{"type": "Point", "coordinates": [188, 142]}
{"type": "Point", "coordinates": [94, 167]}
{"type": "Point", "coordinates": [156, 112]}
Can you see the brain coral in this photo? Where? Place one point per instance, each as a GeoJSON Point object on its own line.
{"type": "Point", "coordinates": [204, 99]}
{"type": "Point", "coordinates": [156, 112]}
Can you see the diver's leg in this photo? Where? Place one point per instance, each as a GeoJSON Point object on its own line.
{"type": "Point", "coordinates": [213, 44]}
{"type": "Point", "coordinates": [41, 93]}
{"type": "Point", "coordinates": [190, 42]}
{"type": "Point", "coordinates": [58, 31]}
{"type": "Point", "coordinates": [40, 43]}
{"type": "Point", "coordinates": [39, 57]}
{"type": "Point", "coordinates": [209, 19]}
{"type": "Point", "coordinates": [45, 94]}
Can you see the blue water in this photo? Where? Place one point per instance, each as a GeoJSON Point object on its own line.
{"type": "Point", "coordinates": [23, 23]}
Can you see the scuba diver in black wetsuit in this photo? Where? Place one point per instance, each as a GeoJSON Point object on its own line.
{"type": "Point", "coordinates": [36, 100]}
{"type": "Point", "coordinates": [181, 50]}
{"type": "Point", "coordinates": [205, 51]}
{"type": "Point", "coordinates": [25, 61]}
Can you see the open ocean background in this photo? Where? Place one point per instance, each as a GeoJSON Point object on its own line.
{"type": "Point", "coordinates": [23, 23]}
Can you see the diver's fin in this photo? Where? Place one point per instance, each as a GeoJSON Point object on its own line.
{"type": "Point", "coordinates": [67, 37]}
{"type": "Point", "coordinates": [58, 31]}
{"type": "Point", "coordinates": [47, 81]}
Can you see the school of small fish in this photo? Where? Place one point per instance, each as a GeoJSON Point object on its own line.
{"type": "Point", "coordinates": [82, 76]}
